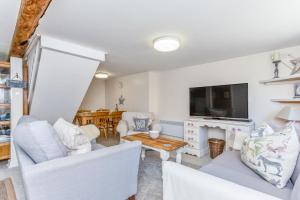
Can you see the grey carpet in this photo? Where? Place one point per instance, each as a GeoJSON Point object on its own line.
{"type": "Point", "coordinates": [150, 175]}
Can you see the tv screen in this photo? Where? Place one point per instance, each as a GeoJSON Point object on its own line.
{"type": "Point", "coordinates": [223, 101]}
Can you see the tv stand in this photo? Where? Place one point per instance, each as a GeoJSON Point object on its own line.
{"type": "Point", "coordinates": [227, 119]}
{"type": "Point", "coordinates": [196, 132]}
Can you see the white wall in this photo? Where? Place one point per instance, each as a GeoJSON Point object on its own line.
{"type": "Point", "coordinates": [175, 84]}
{"type": "Point", "coordinates": [135, 90]}
{"type": "Point", "coordinates": [168, 91]}
{"type": "Point", "coordinates": [95, 96]}
{"type": "Point", "coordinates": [174, 87]}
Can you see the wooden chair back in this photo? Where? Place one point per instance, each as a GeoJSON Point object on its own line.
{"type": "Point", "coordinates": [101, 119]}
{"type": "Point", "coordinates": [116, 117]}
{"type": "Point", "coordinates": [84, 118]}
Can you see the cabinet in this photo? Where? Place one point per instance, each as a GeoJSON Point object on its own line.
{"type": "Point", "coordinates": [196, 133]}
{"type": "Point", "coordinates": [4, 111]}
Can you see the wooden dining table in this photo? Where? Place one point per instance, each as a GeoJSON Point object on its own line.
{"type": "Point", "coordinates": [103, 119]}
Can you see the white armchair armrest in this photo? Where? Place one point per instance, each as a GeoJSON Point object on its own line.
{"type": "Point", "coordinates": [122, 128]}
{"type": "Point", "coordinates": [181, 183]}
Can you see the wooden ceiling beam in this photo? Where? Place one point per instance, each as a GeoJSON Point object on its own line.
{"type": "Point", "coordinates": [29, 15]}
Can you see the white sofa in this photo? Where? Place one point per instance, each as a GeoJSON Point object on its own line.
{"type": "Point", "coordinates": [126, 125]}
{"type": "Point", "coordinates": [224, 178]}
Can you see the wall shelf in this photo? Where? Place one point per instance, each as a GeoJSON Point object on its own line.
{"type": "Point", "coordinates": [4, 64]}
{"type": "Point", "coordinates": [286, 100]}
{"type": "Point", "coordinates": [4, 123]}
{"type": "Point", "coordinates": [284, 79]}
{"type": "Point", "coordinates": [4, 105]}
{"type": "Point", "coordinates": [4, 86]}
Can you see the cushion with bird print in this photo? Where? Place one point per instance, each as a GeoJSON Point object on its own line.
{"type": "Point", "coordinates": [273, 157]}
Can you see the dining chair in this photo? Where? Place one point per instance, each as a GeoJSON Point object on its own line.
{"type": "Point", "coordinates": [101, 120]}
{"type": "Point", "coordinates": [116, 116]}
{"type": "Point", "coordinates": [84, 118]}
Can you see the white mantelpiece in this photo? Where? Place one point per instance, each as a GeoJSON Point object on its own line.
{"type": "Point", "coordinates": [196, 132]}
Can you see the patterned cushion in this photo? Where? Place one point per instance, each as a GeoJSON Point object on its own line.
{"type": "Point", "coordinates": [273, 156]}
{"type": "Point", "coordinates": [141, 124]}
{"type": "Point", "coordinates": [263, 130]}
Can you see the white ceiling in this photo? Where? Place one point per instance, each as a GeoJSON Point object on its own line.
{"type": "Point", "coordinates": [9, 10]}
{"type": "Point", "coordinates": [209, 30]}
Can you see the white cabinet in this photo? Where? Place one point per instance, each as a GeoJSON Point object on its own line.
{"type": "Point", "coordinates": [196, 133]}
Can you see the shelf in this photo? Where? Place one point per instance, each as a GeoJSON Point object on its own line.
{"type": "Point", "coordinates": [4, 64]}
{"type": "Point", "coordinates": [4, 123]}
{"type": "Point", "coordinates": [4, 86]}
{"type": "Point", "coordinates": [291, 78]}
{"type": "Point", "coordinates": [286, 100]}
{"type": "Point", "coordinates": [4, 105]}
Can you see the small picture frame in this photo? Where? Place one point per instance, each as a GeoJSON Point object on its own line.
{"type": "Point", "coordinates": [297, 90]}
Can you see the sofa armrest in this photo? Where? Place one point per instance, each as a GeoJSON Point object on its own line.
{"type": "Point", "coordinates": [180, 182]}
{"type": "Point", "coordinates": [122, 128]}
{"type": "Point", "coordinates": [110, 173]}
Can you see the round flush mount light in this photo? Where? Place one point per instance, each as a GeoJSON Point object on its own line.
{"type": "Point", "coordinates": [166, 44]}
{"type": "Point", "coordinates": [101, 75]}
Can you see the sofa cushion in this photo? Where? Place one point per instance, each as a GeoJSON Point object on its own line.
{"type": "Point", "coordinates": [263, 130]}
{"type": "Point", "coordinates": [90, 130]}
{"type": "Point", "coordinates": [39, 140]}
{"type": "Point", "coordinates": [70, 134]}
{"type": "Point", "coordinates": [229, 166]}
{"type": "Point", "coordinates": [273, 157]}
{"type": "Point", "coordinates": [128, 116]}
{"type": "Point", "coordinates": [141, 124]}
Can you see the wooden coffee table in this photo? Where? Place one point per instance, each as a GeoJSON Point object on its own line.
{"type": "Point", "coordinates": [162, 145]}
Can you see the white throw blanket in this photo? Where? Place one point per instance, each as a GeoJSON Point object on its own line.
{"type": "Point", "coordinates": [184, 183]}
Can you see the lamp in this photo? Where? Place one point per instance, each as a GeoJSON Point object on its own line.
{"type": "Point", "coordinates": [166, 44]}
{"type": "Point", "coordinates": [289, 114]}
{"type": "Point", "coordinates": [101, 75]}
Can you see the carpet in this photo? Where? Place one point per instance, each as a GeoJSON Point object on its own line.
{"type": "Point", "coordinates": [150, 175]}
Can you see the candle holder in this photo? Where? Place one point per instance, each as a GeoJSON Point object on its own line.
{"type": "Point", "coordinates": [276, 71]}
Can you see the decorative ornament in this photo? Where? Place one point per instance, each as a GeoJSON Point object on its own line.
{"type": "Point", "coordinates": [121, 100]}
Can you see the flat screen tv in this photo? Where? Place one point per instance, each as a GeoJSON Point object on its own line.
{"type": "Point", "coordinates": [222, 101]}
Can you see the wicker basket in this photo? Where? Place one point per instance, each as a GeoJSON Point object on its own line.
{"type": "Point", "coordinates": [216, 147]}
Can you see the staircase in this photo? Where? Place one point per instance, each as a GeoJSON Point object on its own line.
{"type": "Point", "coordinates": [59, 74]}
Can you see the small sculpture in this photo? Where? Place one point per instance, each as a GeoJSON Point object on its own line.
{"type": "Point", "coordinates": [121, 100]}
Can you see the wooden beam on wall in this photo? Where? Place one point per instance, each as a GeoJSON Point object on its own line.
{"type": "Point", "coordinates": [29, 15]}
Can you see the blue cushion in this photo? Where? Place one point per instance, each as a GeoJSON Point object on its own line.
{"type": "Point", "coordinates": [141, 124]}
{"type": "Point", "coordinates": [39, 140]}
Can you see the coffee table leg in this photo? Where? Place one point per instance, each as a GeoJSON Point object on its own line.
{"type": "Point", "coordinates": [143, 155]}
{"type": "Point", "coordinates": [164, 155]}
{"type": "Point", "coordinates": [178, 155]}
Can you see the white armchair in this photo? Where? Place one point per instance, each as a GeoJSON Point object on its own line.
{"type": "Point", "coordinates": [126, 125]}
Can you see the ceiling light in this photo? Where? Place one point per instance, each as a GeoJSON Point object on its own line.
{"type": "Point", "coordinates": [102, 75]}
{"type": "Point", "coordinates": [165, 44]}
